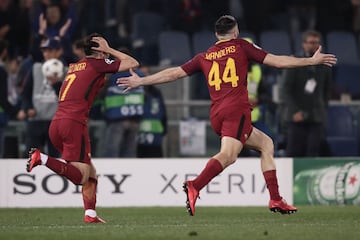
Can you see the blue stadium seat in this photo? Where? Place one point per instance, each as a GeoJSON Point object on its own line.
{"type": "Point", "coordinates": [339, 122]}
{"type": "Point", "coordinates": [247, 34]}
{"type": "Point", "coordinates": [347, 79]}
{"type": "Point", "coordinates": [276, 42]}
{"type": "Point", "coordinates": [146, 27]}
{"type": "Point", "coordinates": [344, 45]}
{"type": "Point", "coordinates": [343, 147]}
{"type": "Point", "coordinates": [341, 132]}
{"type": "Point", "coordinates": [174, 47]}
{"type": "Point", "coordinates": [202, 41]}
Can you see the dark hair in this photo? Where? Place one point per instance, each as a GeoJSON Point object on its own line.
{"type": "Point", "coordinates": [224, 24]}
{"type": "Point", "coordinates": [88, 44]}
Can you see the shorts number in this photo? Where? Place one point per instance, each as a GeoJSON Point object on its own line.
{"type": "Point", "coordinates": [228, 76]}
{"type": "Point", "coordinates": [69, 81]}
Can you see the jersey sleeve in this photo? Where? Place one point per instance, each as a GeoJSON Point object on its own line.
{"type": "Point", "coordinates": [193, 65]}
{"type": "Point", "coordinates": [253, 52]}
{"type": "Point", "coordinates": [106, 65]}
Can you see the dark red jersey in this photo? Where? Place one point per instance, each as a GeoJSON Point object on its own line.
{"type": "Point", "coordinates": [225, 66]}
{"type": "Point", "coordinates": [80, 87]}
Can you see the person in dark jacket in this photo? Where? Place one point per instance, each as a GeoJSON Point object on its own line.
{"type": "Point", "coordinates": [306, 92]}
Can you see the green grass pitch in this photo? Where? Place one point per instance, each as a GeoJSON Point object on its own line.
{"type": "Point", "coordinates": [310, 222]}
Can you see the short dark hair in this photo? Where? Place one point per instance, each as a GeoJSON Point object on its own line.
{"type": "Point", "coordinates": [88, 44]}
{"type": "Point", "coordinates": [224, 24]}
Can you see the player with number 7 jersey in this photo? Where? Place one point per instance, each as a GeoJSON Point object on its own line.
{"type": "Point", "coordinates": [225, 67]}
{"type": "Point", "coordinates": [68, 130]}
{"type": "Point", "coordinates": [80, 87]}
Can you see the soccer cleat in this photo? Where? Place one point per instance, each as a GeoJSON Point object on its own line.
{"type": "Point", "coordinates": [281, 206]}
{"type": "Point", "coordinates": [88, 219]}
{"type": "Point", "coordinates": [34, 159]}
{"type": "Point", "coordinates": [191, 196]}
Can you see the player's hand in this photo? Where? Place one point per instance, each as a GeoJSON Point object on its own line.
{"type": "Point", "coordinates": [254, 102]}
{"type": "Point", "coordinates": [103, 44]}
{"type": "Point", "coordinates": [129, 82]}
{"type": "Point", "coordinates": [322, 58]}
{"type": "Point", "coordinates": [298, 117]}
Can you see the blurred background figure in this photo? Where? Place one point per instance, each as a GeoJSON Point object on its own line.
{"type": "Point", "coordinates": [122, 113]}
{"type": "Point", "coordinates": [153, 125]}
{"type": "Point", "coordinates": [40, 96]}
{"type": "Point", "coordinates": [258, 99]}
{"type": "Point", "coordinates": [78, 49]}
{"type": "Point", "coordinates": [7, 109]}
{"type": "Point", "coordinates": [306, 93]}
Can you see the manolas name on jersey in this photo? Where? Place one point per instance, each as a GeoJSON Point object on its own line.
{"type": "Point", "coordinates": [220, 53]}
{"type": "Point", "coordinates": [225, 66]}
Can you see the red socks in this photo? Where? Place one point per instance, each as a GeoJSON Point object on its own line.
{"type": "Point", "coordinates": [211, 170]}
{"type": "Point", "coordinates": [89, 193]}
{"type": "Point", "coordinates": [74, 175]}
{"type": "Point", "coordinates": [65, 169]}
{"type": "Point", "coordinates": [272, 184]}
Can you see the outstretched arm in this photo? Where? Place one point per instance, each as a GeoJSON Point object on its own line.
{"type": "Point", "coordinates": [127, 61]}
{"type": "Point", "coordinates": [290, 62]}
{"type": "Point", "coordinates": [166, 75]}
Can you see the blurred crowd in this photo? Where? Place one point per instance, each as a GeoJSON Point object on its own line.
{"type": "Point", "coordinates": [20, 19]}
{"type": "Point", "coordinates": [31, 28]}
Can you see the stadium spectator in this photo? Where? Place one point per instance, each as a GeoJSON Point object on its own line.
{"type": "Point", "coordinates": [78, 49]}
{"type": "Point", "coordinates": [122, 113]}
{"type": "Point", "coordinates": [51, 25]}
{"type": "Point", "coordinates": [153, 125]}
{"type": "Point", "coordinates": [39, 99]}
{"type": "Point", "coordinates": [55, 15]}
{"type": "Point", "coordinates": [225, 66]}
{"type": "Point", "coordinates": [258, 97]}
{"type": "Point", "coordinates": [15, 20]}
{"type": "Point", "coordinates": [6, 108]}
{"type": "Point", "coordinates": [306, 92]}
{"type": "Point", "coordinates": [69, 131]}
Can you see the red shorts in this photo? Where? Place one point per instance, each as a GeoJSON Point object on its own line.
{"type": "Point", "coordinates": [71, 139]}
{"type": "Point", "coordinates": [235, 124]}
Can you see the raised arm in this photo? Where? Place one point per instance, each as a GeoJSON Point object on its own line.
{"type": "Point", "coordinates": [290, 62]}
{"type": "Point", "coordinates": [166, 75]}
{"type": "Point", "coordinates": [127, 61]}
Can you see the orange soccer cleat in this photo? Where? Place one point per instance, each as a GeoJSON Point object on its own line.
{"type": "Point", "coordinates": [191, 196]}
{"type": "Point", "coordinates": [34, 159]}
{"type": "Point", "coordinates": [281, 206]}
{"type": "Point", "coordinates": [88, 219]}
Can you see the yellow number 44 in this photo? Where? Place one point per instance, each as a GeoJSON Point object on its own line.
{"type": "Point", "coordinates": [228, 76]}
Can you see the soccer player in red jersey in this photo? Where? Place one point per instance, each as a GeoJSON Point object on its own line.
{"type": "Point", "coordinates": [225, 67]}
{"type": "Point", "coordinates": [68, 130]}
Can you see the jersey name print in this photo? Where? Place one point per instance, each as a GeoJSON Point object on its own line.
{"type": "Point", "coordinates": [80, 87]}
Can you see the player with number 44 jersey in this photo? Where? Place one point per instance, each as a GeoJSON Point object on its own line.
{"type": "Point", "coordinates": [225, 67]}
